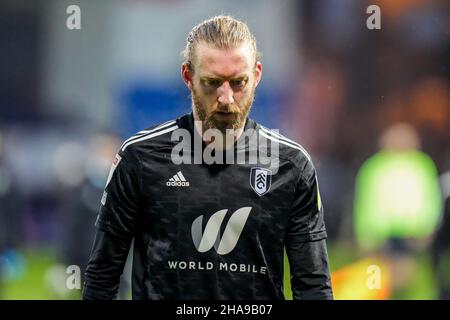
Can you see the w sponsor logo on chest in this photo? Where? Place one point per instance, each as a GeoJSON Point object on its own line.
{"type": "Point", "coordinates": [260, 180]}
{"type": "Point", "coordinates": [210, 237]}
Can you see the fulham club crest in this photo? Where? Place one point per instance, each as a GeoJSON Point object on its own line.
{"type": "Point", "coordinates": [260, 180]}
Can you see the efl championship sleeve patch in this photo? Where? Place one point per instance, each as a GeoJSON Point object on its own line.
{"type": "Point", "coordinates": [114, 165]}
{"type": "Point", "coordinates": [105, 195]}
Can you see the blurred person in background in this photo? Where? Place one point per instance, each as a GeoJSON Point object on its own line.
{"type": "Point", "coordinates": [161, 204]}
{"type": "Point", "coordinates": [397, 206]}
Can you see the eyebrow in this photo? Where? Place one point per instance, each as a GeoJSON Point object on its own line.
{"type": "Point", "coordinates": [211, 77]}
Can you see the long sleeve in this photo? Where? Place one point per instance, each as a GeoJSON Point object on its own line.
{"type": "Point", "coordinates": [115, 229]}
{"type": "Point", "coordinates": [310, 275]}
{"type": "Point", "coordinates": [105, 266]}
{"type": "Point", "coordinates": [306, 241]}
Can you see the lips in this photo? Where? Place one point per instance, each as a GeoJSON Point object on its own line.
{"type": "Point", "coordinates": [223, 112]}
{"type": "Point", "coordinates": [225, 115]}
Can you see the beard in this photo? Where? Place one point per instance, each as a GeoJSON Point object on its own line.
{"type": "Point", "coordinates": [210, 121]}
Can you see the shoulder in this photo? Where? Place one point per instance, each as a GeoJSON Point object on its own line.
{"type": "Point", "coordinates": [154, 136]}
{"type": "Point", "coordinates": [290, 150]}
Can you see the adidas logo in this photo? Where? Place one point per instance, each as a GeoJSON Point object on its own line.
{"type": "Point", "coordinates": [177, 180]}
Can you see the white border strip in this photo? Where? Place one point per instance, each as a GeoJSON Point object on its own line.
{"type": "Point", "coordinates": [280, 136]}
{"type": "Point", "coordinates": [140, 133]}
{"type": "Point", "coordinates": [149, 136]}
{"type": "Point", "coordinates": [298, 147]}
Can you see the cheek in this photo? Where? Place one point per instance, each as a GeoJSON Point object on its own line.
{"type": "Point", "coordinates": [209, 96]}
{"type": "Point", "coordinates": [244, 94]}
{"type": "Point", "coordinates": [239, 96]}
{"type": "Point", "coordinates": [249, 89]}
{"type": "Point", "coordinates": [203, 92]}
{"type": "Point", "coordinates": [205, 97]}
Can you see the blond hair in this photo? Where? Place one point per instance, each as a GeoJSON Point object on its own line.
{"type": "Point", "coordinates": [223, 32]}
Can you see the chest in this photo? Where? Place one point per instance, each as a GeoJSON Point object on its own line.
{"type": "Point", "coordinates": [181, 197]}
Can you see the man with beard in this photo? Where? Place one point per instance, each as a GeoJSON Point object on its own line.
{"type": "Point", "coordinates": [212, 231]}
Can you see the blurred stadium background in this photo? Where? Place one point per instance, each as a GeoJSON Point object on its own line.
{"type": "Point", "coordinates": [372, 108]}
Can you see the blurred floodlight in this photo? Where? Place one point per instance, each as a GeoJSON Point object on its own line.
{"type": "Point", "coordinates": [101, 151]}
{"type": "Point", "coordinates": [68, 163]}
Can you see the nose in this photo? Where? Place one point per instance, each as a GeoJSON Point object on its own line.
{"type": "Point", "coordinates": [225, 94]}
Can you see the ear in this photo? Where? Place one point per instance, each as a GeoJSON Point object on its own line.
{"type": "Point", "coordinates": [186, 74]}
{"type": "Point", "coordinates": [258, 72]}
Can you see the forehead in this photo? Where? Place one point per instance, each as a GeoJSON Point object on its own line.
{"type": "Point", "coordinates": [223, 62]}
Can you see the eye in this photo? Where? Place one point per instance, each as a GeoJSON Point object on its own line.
{"type": "Point", "coordinates": [238, 83]}
{"type": "Point", "coordinates": [214, 83]}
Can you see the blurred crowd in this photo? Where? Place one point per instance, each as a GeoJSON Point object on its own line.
{"type": "Point", "coordinates": [369, 96]}
{"type": "Point", "coordinates": [372, 107]}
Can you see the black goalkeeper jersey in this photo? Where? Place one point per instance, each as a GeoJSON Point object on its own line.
{"type": "Point", "coordinates": [209, 230]}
